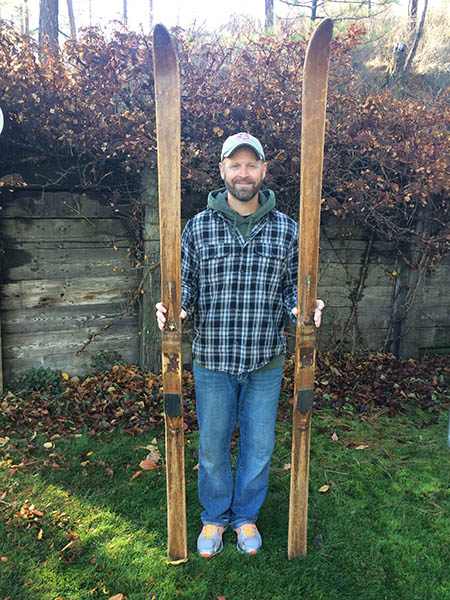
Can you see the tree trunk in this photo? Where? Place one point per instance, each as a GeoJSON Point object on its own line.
{"type": "Point", "coordinates": [417, 40]}
{"type": "Point", "coordinates": [73, 29]}
{"type": "Point", "coordinates": [26, 10]}
{"type": "Point", "coordinates": [125, 12]}
{"type": "Point", "coordinates": [412, 13]}
{"type": "Point", "coordinates": [314, 10]}
{"type": "Point", "coordinates": [269, 23]}
{"type": "Point", "coordinates": [48, 24]}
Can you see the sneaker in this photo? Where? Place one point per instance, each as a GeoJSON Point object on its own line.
{"type": "Point", "coordinates": [209, 542]}
{"type": "Point", "coordinates": [249, 539]}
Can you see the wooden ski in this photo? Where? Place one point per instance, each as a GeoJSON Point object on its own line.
{"type": "Point", "coordinates": [314, 95]}
{"type": "Point", "coordinates": [168, 132]}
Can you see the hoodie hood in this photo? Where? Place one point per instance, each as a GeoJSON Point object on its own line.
{"type": "Point", "coordinates": [217, 200]}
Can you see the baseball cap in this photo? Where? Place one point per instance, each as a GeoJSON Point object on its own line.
{"type": "Point", "coordinates": [238, 140]}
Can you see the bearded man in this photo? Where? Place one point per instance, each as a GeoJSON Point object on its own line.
{"type": "Point", "coordinates": [239, 280]}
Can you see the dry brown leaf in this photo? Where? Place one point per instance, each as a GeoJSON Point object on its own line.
{"type": "Point", "coordinates": [176, 562]}
{"type": "Point", "coordinates": [136, 475]}
{"type": "Point", "coordinates": [324, 488]}
{"type": "Point", "coordinates": [148, 465]}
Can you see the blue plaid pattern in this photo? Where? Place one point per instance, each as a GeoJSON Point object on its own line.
{"type": "Point", "coordinates": [238, 290]}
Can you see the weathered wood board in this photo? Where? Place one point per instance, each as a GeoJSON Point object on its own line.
{"type": "Point", "coordinates": [66, 280]}
{"type": "Point", "coordinates": [66, 274]}
{"type": "Point", "coordinates": [343, 249]}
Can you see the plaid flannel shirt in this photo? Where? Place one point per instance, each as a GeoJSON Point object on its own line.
{"type": "Point", "coordinates": [237, 290]}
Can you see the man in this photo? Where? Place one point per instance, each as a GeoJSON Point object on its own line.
{"type": "Point", "coordinates": [239, 279]}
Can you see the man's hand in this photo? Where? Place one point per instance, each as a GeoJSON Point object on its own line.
{"type": "Point", "coordinates": [317, 313]}
{"type": "Point", "coordinates": [160, 315]}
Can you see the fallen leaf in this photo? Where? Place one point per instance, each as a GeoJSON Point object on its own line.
{"type": "Point", "coordinates": [334, 437]}
{"type": "Point", "coordinates": [48, 445]}
{"type": "Point", "coordinates": [116, 597]}
{"type": "Point", "coordinates": [362, 447]}
{"type": "Point", "coordinates": [65, 376]}
{"type": "Point", "coordinates": [40, 534]}
{"type": "Point", "coordinates": [4, 559]}
{"type": "Point", "coordinates": [324, 488]}
{"type": "Point", "coordinates": [195, 468]}
{"type": "Point", "coordinates": [287, 466]}
{"type": "Point", "coordinates": [4, 441]}
{"type": "Point", "coordinates": [148, 465]}
{"type": "Point", "coordinates": [176, 562]}
{"type": "Point", "coordinates": [136, 475]}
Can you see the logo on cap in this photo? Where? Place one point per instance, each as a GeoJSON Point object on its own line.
{"type": "Point", "coordinates": [242, 139]}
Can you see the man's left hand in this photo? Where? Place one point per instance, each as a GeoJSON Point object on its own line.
{"type": "Point", "coordinates": [317, 313]}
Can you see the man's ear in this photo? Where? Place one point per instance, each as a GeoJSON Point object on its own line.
{"type": "Point", "coordinates": [222, 170]}
{"type": "Point", "coordinates": [264, 170]}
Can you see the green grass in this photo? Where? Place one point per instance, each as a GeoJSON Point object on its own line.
{"type": "Point", "coordinates": [380, 531]}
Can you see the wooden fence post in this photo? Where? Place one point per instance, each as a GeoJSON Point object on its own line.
{"type": "Point", "coordinates": [409, 296]}
{"type": "Point", "coordinates": [150, 342]}
{"type": "Point", "coordinates": [1, 358]}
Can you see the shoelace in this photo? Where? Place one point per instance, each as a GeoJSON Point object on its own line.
{"type": "Point", "coordinates": [209, 530]}
{"type": "Point", "coordinates": [248, 529]}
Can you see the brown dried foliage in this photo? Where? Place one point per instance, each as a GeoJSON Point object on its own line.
{"type": "Point", "coordinates": [125, 398]}
{"type": "Point", "coordinates": [92, 107]}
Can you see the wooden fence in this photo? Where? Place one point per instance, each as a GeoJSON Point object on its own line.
{"type": "Point", "coordinates": [68, 287]}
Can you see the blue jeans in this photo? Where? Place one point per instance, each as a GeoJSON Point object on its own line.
{"type": "Point", "coordinates": [223, 400]}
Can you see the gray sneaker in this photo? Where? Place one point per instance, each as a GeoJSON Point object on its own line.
{"type": "Point", "coordinates": [209, 542]}
{"type": "Point", "coordinates": [249, 539]}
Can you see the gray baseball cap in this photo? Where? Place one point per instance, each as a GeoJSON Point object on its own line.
{"type": "Point", "coordinates": [238, 140]}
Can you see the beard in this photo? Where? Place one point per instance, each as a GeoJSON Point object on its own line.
{"type": "Point", "coordinates": [243, 194]}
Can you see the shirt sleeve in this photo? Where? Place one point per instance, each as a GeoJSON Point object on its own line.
{"type": "Point", "coordinates": [290, 280]}
{"type": "Point", "coordinates": [189, 271]}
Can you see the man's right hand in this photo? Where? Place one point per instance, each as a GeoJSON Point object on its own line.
{"type": "Point", "coordinates": [161, 315]}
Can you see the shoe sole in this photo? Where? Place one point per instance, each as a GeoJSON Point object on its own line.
{"type": "Point", "coordinates": [206, 555]}
{"type": "Point", "coordinates": [251, 553]}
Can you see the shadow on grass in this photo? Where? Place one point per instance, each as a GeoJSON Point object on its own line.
{"type": "Point", "coordinates": [379, 532]}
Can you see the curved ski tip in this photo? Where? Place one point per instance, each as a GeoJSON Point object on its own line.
{"type": "Point", "coordinates": [324, 28]}
{"type": "Point", "coordinates": [161, 36]}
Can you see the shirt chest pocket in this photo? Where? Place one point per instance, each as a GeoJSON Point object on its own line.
{"type": "Point", "coordinates": [215, 251]}
{"type": "Point", "coordinates": [270, 260]}
{"type": "Point", "coordinates": [217, 263]}
{"type": "Point", "coordinates": [270, 251]}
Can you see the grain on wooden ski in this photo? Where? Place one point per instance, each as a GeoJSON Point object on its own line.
{"type": "Point", "coordinates": [168, 131]}
{"type": "Point", "coordinates": [314, 95]}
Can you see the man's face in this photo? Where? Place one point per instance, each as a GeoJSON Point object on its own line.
{"type": "Point", "coordinates": [243, 174]}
